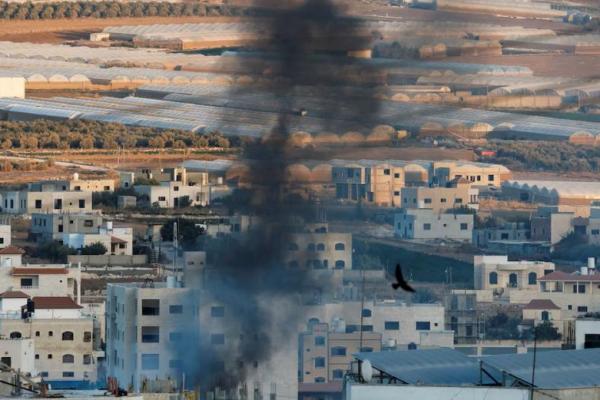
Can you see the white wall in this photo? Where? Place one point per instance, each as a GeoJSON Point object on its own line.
{"type": "Point", "coordinates": [21, 353]}
{"type": "Point", "coordinates": [583, 327]}
{"type": "Point", "coordinates": [5, 239]}
{"type": "Point", "coordinates": [401, 392]}
{"type": "Point", "coordinates": [12, 87]}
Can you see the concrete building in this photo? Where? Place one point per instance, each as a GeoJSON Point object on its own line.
{"type": "Point", "coordinates": [326, 353]}
{"type": "Point", "coordinates": [5, 236]}
{"type": "Point", "coordinates": [459, 193]}
{"type": "Point", "coordinates": [462, 316]}
{"type": "Point", "coordinates": [173, 194]}
{"type": "Point", "coordinates": [12, 86]}
{"type": "Point", "coordinates": [27, 202]}
{"type": "Point", "coordinates": [587, 333]}
{"type": "Point", "coordinates": [380, 182]}
{"type": "Point", "coordinates": [425, 224]}
{"type": "Point", "coordinates": [508, 232]}
{"type": "Point", "coordinates": [540, 311]}
{"type": "Point", "coordinates": [400, 324]}
{"type": "Point", "coordinates": [498, 274]}
{"type": "Point", "coordinates": [63, 338]}
{"type": "Point", "coordinates": [36, 279]}
{"type": "Point", "coordinates": [116, 240]}
{"type": "Point", "coordinates": [19, 354]}
{"type": "Point", "coordinates": [73, 185]}
{"type": "Point", "coordinates": [46, 227]}
{"type": "Point", "coordinates": [552, 224]}
{"type": "Point", "coordinates": [317, 248]}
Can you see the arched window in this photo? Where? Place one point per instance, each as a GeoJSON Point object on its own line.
{"type": "Point", "coordinates": [532, 278]}
{"type": "Point", "coordinates": [293, 246]}
{"type": "Point", "coordinates": [454, 324]}
{"type": "Point", "coordinates": [512, 280]}
{"type": "Point", "coordinates": [340, 264]}
{"type": "Point", "coordinates": [68, 335]}
{"type": "Point", "coordinates": [412, 346]}
{"type": "Point", "coordinates": [313, 321]}
{"type": "Point", "coordinates": [340, 246]}
{"type": "Point", "coordinates": [68, 359]}
{"type": "Point", "coordinates": [493, 278]}
{"type": "Point", "coordinates": [15, 335]}
{"type": "Point", "coordinates": [311, 247]}
{"type": "Point", "coordinates": [320, 379]}
{"type": "Point", "coordinates": [545, 316]}
{"type": "Point", "coordinates": [366, 312]}
{"type": "Point", "coordinates": [321, 247]}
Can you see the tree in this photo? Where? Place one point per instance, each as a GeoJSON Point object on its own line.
{"type": "Point", "coordinates": [501, 326]}
{"type": "Point", "coordinates": [87, 142]}
{"type": "Point", "coordinates": [7, 144]}
{"type": "Point", "coordinates": [187, 232]}
{"type": "Point", "coordinates": [547, 331]}
{"type": "Point", "coordinates": [55, 251]}
{"type": "Point", "coordinates": [94, 249]}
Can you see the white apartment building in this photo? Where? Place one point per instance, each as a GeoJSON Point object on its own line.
{"type": "Point", "coordinates": [53, 226]}
{"type": "Point", "coordinates": [147, 326]}
{"type": "Point", "coordinates": [73, 185]}
{"type": "Point", "coordinates": [440, 199]}
{"type": "Point", "coordinates": [19, 354]}
{"type": "Point", "coordinates": [116, 240]}
{"type": "Point", "coordinates": [173, 194]}
{"type": "Point", "coordinates": [499, 274]}
{"type": "Point", "coordinates": [425, 224]}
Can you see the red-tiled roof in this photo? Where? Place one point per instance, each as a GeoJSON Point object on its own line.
{"type": "Point", "coordinates": [39, 271]}
{"type": "Point", "coordinates": [13, 294]}
{"type": "Point", "coordinates": [114, 239]}
{"type": "Point", "coordinates": [12, 250]}
{"type": "Point", "coordinates": [48, 303]}
{"type": "Point", "coordinates": [563, 276]}
{"type": "Point", "coordinates": [539, 304]}
{"type": "Point", "coordinates": [329, 387]}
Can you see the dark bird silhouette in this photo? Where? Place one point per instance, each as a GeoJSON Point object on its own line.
{"type": "Point", "coordinates": [400, 282]}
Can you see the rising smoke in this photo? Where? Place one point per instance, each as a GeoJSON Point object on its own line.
{"type": "Point", "coordinates": [261, 295]}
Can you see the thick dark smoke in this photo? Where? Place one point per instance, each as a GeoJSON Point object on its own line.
{"type": "Point", "coordinates": [248, 274]}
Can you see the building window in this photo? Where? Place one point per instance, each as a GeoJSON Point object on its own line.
{"type": "Point", "coordinates": [595, 231]}
{"type": "Point", "coordinates": [391, 325]}
{"type": "Point", "coordinates": [582, 309]}
{"type": "Point", "coordinates": [423, 325]}
{"type": "Point", "coordinates": [427, 200]}
{"type": "Point", "coordinates": [338, 374]}
{"type": "Point", "coordinates": [340, 264]}
{"type": "Point", "coordinates": [162, 198]}
{"type": "Point", "coordinates": [366, 313]}
{"type": "Point", "coordinates": [176, 309]}
{"type": "Point", "coordinates": [386, 171]}
{"type": "Point", "coordinates": [319, 379]}
{"type": "Point", "coordinates": [352, 328]}
{"type": "Point", "coordinates": [81, 203]}
{"type": "Point", "coordinates": [217, 338]}
{"type": "Point", "coordinates": [512, 280]}
{"type": "Point", "coordinates": [26, 282]}
{"type": "Point", "coordinates": [68, 374]}
{"type": "Point", "coordinates": [87, 359]}
{"type": "Point", "coordinates": [443, 200]}
{"type": "Point", "coordinates": [320, 362]}
{"type": "Point", "coordinates": [532, 278]}
{"type": "Point", "coordinates": [87, 337]}
{"type": "Point", "coordinates": [150, 307]}
{"type": "Point", "coordinates": [68, 359]}
{"type": "Point", "coordinates": [320, 247]}
{"type": "Point", "coordinates": [88, 223]}
{"type": "Point", "coordinates": [217, 311]}
{"type": "Point", "coordinates": [426, 227]}
{"type": "Point", "coordinates": [366, 349]}
{"type": "Point", "coordinates": [150, 361]}
{"type": "Point", "coordinates": [38, 204]}
{"type": "Point", "coordinates": [15, 335]}
{"type": "Point", "coordinates": [545, 316]}
{"type": "Point", "coordinates": [49, 356]}
{"type": "Point", "coordinates": [464, 226]}
{"type": "Point", "coordinates": [340, 246]}
{"type": "Point", "coordinates": [491, 178]}
{"type": "Point", "coordinates": [319, 341]}
{"type": "Point", "coordinates": [367, 328]}
{"type": "Point", "coordinates": [396, 193]}
{"type": "Point", "coordinates": [581, 288]}
{"type": "Point", "coordinates": [150, 334]}
{"type": "Point", "coordinates": [67, 335]}
{"type": "Point", "coordinates": [310, 247]}
{"type": "Point", "coordinates": [37, 356]}
{"type": "Point", "coordinates": [338, 351]}
{"type": "Point", "coordinates": [493, 278]}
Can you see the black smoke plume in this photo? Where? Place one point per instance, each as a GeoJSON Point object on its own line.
{"type": "Point", "coordinates": [249, 276]}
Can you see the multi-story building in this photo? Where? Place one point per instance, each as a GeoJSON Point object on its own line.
{"type": "Point", "coordinates": [458, 193]}
{"type": "Point", "coordinates": [498, 274]}
{"type": "Point", "coordinates": [36, 279]}
{"type": "Point", "coordinates": [478, 174]}
{"type": "Point", "coordinates": [504, 233]}
{"type": "Point", "coordinates": [552, 223]}
{"type": "Point", "coordinates": [317, 248]}
{"type": "Point", "coordinates": [27, 202]}
{"type": "Point", "coordinates": [325, 353]}
{"type": "Point", "coordinates": [46, 227]}
{"type": "Point", "coordinates": [63, 338]}
{"type": "Point", "coordinates": [400, 324]}
{"type": "Point", "coordinates": [425, 224]}
{"type": "Point", "coordinates": [540, 311]}
{"type": "Point", "coordinates": [462, 316]}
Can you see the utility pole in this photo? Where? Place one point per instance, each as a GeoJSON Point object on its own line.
{"type": "Point", "coordinates": [534, 361]}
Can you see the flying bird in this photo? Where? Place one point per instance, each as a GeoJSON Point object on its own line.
{"type": "Point", "coordinates": [400, 282]}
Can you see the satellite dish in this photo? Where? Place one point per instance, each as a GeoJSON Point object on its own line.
{"type": "Point", "coordinates": [366, 370]}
